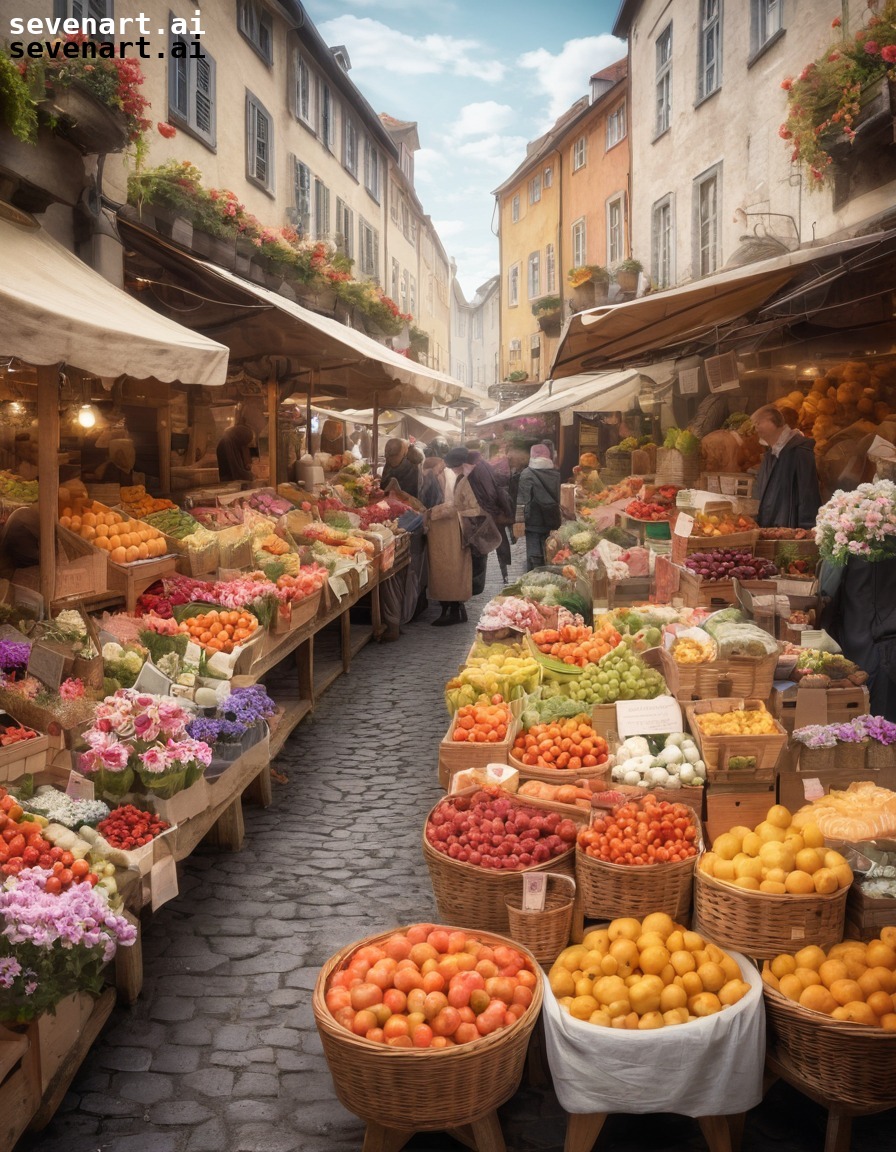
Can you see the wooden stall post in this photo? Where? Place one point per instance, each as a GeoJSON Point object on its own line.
{"type": "Point", "coordinates": [308, 417]}
{"type": "Point", "coordinates": [164, 433]}
{"type": "Point", "coordinates": [273, 443]}
{"type": "Point", "coordinates": [375, 434]}
{"type": "Point", "coordinates": [48, 471]}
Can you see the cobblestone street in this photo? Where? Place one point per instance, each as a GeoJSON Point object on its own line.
{"type": "Point", "coordinates": [221, 1054]}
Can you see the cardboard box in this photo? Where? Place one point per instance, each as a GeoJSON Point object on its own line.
{"type": "Point", "coordinates": [793, 784]}
{"type": "Point", "coordinates": [866, 915]}
{"type": "Point", "coordinates": [728, 805]}
{"type": "Point", "coordinates": [795, 707]}
{"type": "Point", "coordinates": [81, 569]}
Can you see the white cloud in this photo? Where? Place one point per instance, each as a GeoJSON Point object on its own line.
{"type": "Point", "coordinates": [375, 46]}
{"type": "Point", "coordinates": [482, 118]}
{"type": "Point", "coordinates": [450, 228]}
{"type": "Point", "coordinates": [564, 77]}
{"type": "Point", "coordinates": [428, 164]}
{"type": "Point", "coordinates": [502, 152]}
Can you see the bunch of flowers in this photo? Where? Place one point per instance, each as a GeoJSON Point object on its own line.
{"type": "Point", "coordinates": [859, 523]}
{"type": "Point", "coordinates": [138, 734]}
{"type": "Point", "coordinates": [825, 99]}
{"type": "Point", "coordinates": [52, 945]}
{"type": "Point", "coordinates": [13, 655]}
{"type": "Point", "coordinates": [123, 662]}
{"type": "Point", "coordinates": [70, 628]}
{"type": "Point", "coordinates": [246, 592]}
{"type": "Point", "coordinates": [242, 711]}
{"type": "Point", "coordinates": [857, 731]}
{"type": "Point", "coordinates": [72, 689]}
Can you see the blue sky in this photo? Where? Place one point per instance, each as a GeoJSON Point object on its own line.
{"type": "Point", "coordinates": [481, 78]}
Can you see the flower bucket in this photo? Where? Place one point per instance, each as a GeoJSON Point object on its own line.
{"type": "Point", "coordinates": [850, 757]}
{"type": "Point", "coordinates": [880, 756]}
{"type": "Point", "coordinates": [816, 759]}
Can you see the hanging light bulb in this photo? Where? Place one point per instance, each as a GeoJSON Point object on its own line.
{"type": "Point", "coordinates": [86, 416]}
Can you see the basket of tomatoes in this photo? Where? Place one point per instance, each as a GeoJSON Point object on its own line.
{"type": "Point", "coordinates": [561, 751]}
{"type": "Point", "coordinates": [426, 1027]}
{"type": "Point", "coordinates": [639, 857]}
{"type": "Point", "coordinates": [479, 734]}
{"type": "Point", "coordinates": [478, 844]}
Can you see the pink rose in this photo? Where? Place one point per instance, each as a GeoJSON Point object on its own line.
{"type": "Point", "coordinates": [872, 47]}
{"type": "Point", "coordinates": [154, 760]}
{"type": "Point", "coordinates": [115, 757]}
{"type": "Point", "coordinates": [889, 53]}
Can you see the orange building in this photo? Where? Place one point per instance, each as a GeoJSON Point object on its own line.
{"type": "Point", "coordinates": [565, 206]}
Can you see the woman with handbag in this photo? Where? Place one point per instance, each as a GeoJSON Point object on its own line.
{"type": "Point", "coordinates": [538, 504]}
{"type": "Point", "coordinates": [450, 577]}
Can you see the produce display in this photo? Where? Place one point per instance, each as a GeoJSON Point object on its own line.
{"type": "Point", "coordinates": [567, 744]}
{"type": "Point", "coordinates": [625, 490]}
{"type": "Point", "coordinates": [863, 811]}
{"type": "Point", "coordinates": [671, 762]}
{"type": "Point", "coordinates": [127, 827]}
{"type": "Point", "coordinates": [431, 987]}
{"type": "Point", "coordinates": [791, 562]}
{"type": "Point", "coordinates": [786, 533]}
{"type": "Point", "coordinates": [308, 579]}
{"type": "Point", "coordinates": [267, 503]}
{"type": "Point", "coordinates": [511, 614]}
{"type": "Point", "coordinates": [738, 722]}
{"type": "Point", "coordinates": [180, 525]}
{"type": "Point", "coordinates": [126, 540]}
{"type": "Point", "coordinates": [490, 830]}
{"type": "Point", "coordinates": [217, 518]}
{"type": "Point", "coordinates": [219, 631]}
{"type": "Point", "coordinates": [730, 563]}
{"type": "Point", "coordinates": [482, 723]}
{"type": "Point", "coordinates": [11, 734]}
{"type": "Point", "coordinates": [644, 974]}
{"type": "Point", "coordinates": [58, 808]}
{"type": "Point", "coordinates": [777, 856]}
{"type": "Point", "coordinates": [272, 544]}
{"type": "Point", "coordinates": [13, 487]}
{"type": "Point", "coordinates": [493, 670]}
{"type": "Point", "coordinates": [650, 510]}
{"type": "Point", "coordinates": [721, 524]}
{"type": "Point", "coordinates": [693, 648]}
{"type": "Point", "coordinates": [645, 831]}
{"type": "Point", "coordinates": [853, 981]}
{"type": "Point", "coordinates": [681, 440]}
{"type": "Point", "coordinates": [576, 644]}
{"type": "Point", "coordinates": [834, 667]}
{"type": "Point", "coordinates": [136, 501]}
{"type": "Point", "coordinates": [578, 794]}
{"type": "Point", "coordinates": [620, 675]}
{"type": "Point", "coordinates": [24, 845]}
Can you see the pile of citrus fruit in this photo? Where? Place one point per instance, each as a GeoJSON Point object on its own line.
{"type": "Point", "coordinates": [220, 630]}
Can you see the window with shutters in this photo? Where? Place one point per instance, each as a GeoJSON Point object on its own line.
{"type": "Point", "coordinates": [350, 133]}
{"type": "Point", "coordinates": [663, 81]}
{"type": "Point", "coordinates": [535, 189]}
{"type": "Point", "coordinates": [257, 25]}
{"type": "Point", "coordinates": [710, 63]}
{"type": "Point", "coordinates": [86, 9]}
{"type": "Point", "coordinates": [615, 230]}
{"type": "Point", "coordinates": [368, 248]}
{"type": "Point", "coordinates": [550, 269]}
{"type": "Point", "coordinates": [191, 93]}
{"type": "Point", "coordinates": [396, 279]}
{"type": "Point", "coordinates": [579, 243]}
{"type": "Point", "coordinates": [534, 275]}
{"type": "Point", "coordinates": [513, 286]}
{"type": "Point", "coordinates": [327, 113]}
{"type": "Point", "coordinates": [344, 233]}
{"type": "Point", "coordinates": [579, 154]}
{"type": "Point", "coordinates": [616, 125]}
{"type": "Point", "coordinates": [516, 351]}
{"type": "Point", "coordinates": [302, 193]}
{"type": "Point", "coordinates": [372, 169]}
{"type": "Point", "coordinates": [321, 210]}
{"type": "Point", "coordinates": [259, 143]}
{"type": "Point", "coordinates": [304, 94]}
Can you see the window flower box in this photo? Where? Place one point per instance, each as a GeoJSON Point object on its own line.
{"type": "Point", "coordinates": [81, 117]}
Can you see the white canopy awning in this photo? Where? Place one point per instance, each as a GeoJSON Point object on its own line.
{"type": "Point", "coordinates": [56, 309]}
{"type": "Point", "coordinates": [603, 391]}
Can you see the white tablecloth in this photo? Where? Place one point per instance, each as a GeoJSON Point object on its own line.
{"type": "Point", "coordinates": [709, 1067]}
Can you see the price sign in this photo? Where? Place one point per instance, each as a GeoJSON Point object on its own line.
{"type": "Point", "coordinates": [812, 788]}
{"type": "Point", "coordinates": [634, 717]}
{"type": "Point", "coordinates": [79, 787]}
{"type": "Point", "coordinates": [47, 665]}
{"type": "Point", "coordinates": [535, 887]}
{"type": "Point", "coordinates": [684, 525]}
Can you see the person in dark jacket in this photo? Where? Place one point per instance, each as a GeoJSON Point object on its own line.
{"type": "Point", "coordinates": [537, 504]}
{"type": "Point", "coordinates": [400, 467]}
{"type": "Point", "coordinates": [234, 460]}
{"type": "Point", "coordinates": [787, 483]}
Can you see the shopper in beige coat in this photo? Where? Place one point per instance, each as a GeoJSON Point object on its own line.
{"type": "Point", "coordinates": [450, 562]}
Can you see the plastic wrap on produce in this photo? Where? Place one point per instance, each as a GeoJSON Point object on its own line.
{"type": "Point", "coordinates": [743, 640]}
{"type": "Point", "coordinates": [709, 1067]}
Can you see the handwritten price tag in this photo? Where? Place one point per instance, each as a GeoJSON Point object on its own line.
{"type": "Point", "coordinates": [535, 887]}
{"type": "Point", "coordinates": [684, 524]}
{"type": "Point", "coordinates": [79, 787]}
{"type": "Point", "coordinates": [163, 882]}
{"type": "Point", "coordinates": [812, 788]}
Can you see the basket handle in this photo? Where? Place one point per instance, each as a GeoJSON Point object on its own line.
{"type": "Point", "coordinates": [562, 876]}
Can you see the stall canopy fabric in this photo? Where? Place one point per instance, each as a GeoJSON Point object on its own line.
{"type": "Point", "coordinates": [602, 337]}
{"type": "Point", "coordinates": [56, 309]}
{"type": "Point", "coordinates": [597, 391]}
{"type": "Point", "coordinates": [255, 322]}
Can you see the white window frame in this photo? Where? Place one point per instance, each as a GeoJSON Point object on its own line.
{"type": "Point", "coordinates": [615, 229]}
{"type": "Point", "coordinates": [579, 233]}
{"type": "Point", "coordinates": [301, 180]}
{"type": "Point", "coordinates": [372, 169]}
{"type": "Point", "coordinates": [533, 275]}
{"type": "Point", "coordinates": [350, 145]}
{"type": "Point", "coordinates": [579, 154]}
{"type": "Point", "coordinates": [79, 9]}
{"type": "Point", "coordinates": [412, 295]}
{"type": "Point", "coordinates": [321, 210]}
{"type": "Point", "coordinates": [515, 351]}
{"type": "Point", "coordinates": [327, 116]}
{"type": "Point", "coordinates": [344, 232]}
{"type": "Point", "coordinates": [662, 241]}
{"type": "Point", "coordinates": [710, 63]}
{"type": "Point", "coordinates": [515, 209]}
{"type": "Point", "coordinates": [395, 281]}
{"type": "Point", "coordinates": [548, 177]}
{"type": "Point", "coordinates": [394, 199]}
{"type": "Point", "coordinates": [192, 93]}
{"type": "Point", "coordinates": [766, 22]}
{"type": "Point", "coordinates": [405, 290]}
{"type": "Point", "coordinates": [550, 269]}
{"type": "Point", "coordinates": [304, 90]}
{"type": "Point", "coordinates": [368, 248]}
{"type": "Point", "coordinates": [535, 348]}
{"type": "Point", "coordinates": [707, 221]}
{"type": "Point", "coordinates": [513, 286]}
{"type": "Point", "coordinates": [535, 188]}
{"type": "Point", "coordinates": [663, 81]}
{"type": "Point", "coordinates": [256, 113]}
{"type": "Point", "coordinates": [616, 129]}
{"type": "Point", "coordinates": [257, 26]}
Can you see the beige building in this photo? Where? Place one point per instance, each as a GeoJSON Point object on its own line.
{"type": "Point", "coordinates": [476, 334]}
{"type": "Point", "coordinates": [711, 176]}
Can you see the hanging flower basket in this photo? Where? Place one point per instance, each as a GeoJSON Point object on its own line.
{"type": "Point", "coordinates": [86, 121]}
{"type": "Point", "coordinates": [220, 250]}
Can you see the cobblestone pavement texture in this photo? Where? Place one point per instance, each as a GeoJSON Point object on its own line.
{"type": "Point", "coordinates": [221, 1053]}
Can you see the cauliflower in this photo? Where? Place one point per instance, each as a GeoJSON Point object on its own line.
{"type": "Point", "coordinates": [582, 542]}
{"type": "Point", "coordinates": [112, 651]}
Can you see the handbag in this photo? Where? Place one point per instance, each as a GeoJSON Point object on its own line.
{"type": "Point", "coordinates": [485, 536]}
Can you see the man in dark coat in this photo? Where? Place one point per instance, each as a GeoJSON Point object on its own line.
{"type": "Point", "coordinates": [787, 484]}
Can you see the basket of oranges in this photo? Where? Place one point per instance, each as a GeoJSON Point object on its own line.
{"type": "Point", "coordinates": [216, 629]}
{"type": "Point", "coordinates": [479, 734]}
{"type": "Point", "coordinates": [561, 751]}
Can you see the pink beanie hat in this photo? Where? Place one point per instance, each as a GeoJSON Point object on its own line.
{"type": "Point", "coordinates": [539, 452]}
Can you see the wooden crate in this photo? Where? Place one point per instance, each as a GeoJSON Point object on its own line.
{"type": "Point", "coordinates": [625, 593]}
{"type": "Point", "coordinates": [696, 592]}
{"type": "Point", "coordinates": [715, 750]}
{"type": "Point", "coordinates": [24, 759]}
{"type": "Point", "coordinates": [20, 1089]}
{"type": "Point", "coordinates": [728, 805]}
{"type": "Point", "coordinates": [81, 569]}
{"type": "Point", "coordinates": [768, 548]}
{"type": "Point", "coordinates": [298, 615]}
{"type": "Point", "coordinates": [753, 678]}
{"type": "Point", "coordinates": [793, 784]}
{"type": "Point", "coordinates": [454, 755]}
{"type": "Point", "coordinates": [866, 915]}
{"type": "Point", "coordinates": [794, 707]}
{"type": "Point", "coordinates": [684, 546]}
{"type": "Point", "coordinates": [132, 580]}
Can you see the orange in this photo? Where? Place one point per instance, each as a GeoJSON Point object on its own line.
{"type": "Point", "coordinates": [791, 986]}
{"type": "Point", "coordinates": [878, 954]}
{"type": "Point", "coordinates": [845, 991]}
{"type": "Point", "coordinates": [810, 957]}
{"type": "Point", "coordinates": [832, 970]}
{"type": "Point", "coordinates": [817, 998]}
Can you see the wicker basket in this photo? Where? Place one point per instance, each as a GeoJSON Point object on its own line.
{"type": "Point", "coordinates": [850, 757]}
{"type": "Point", "coordinates": [557, 775]}
{"type": "Point", "coordinates": [617, 467]}
{"type": "Point", "coordinates": [473, 897]}
{"type": "Point", "coordinates": [816, 759]}
{"type": "Point", "coordinates": [422, 1089]}
{"type": "Point", "coordinates": [763, 923]}
{"type": "Point", "coordinates": [880, 756]}
{"type": "Point", "coordinates": [673, 467]}
{"type": "Point", "coordinates": [611, 890]}
{"type": "Point", "coordinates": [545, 932]}
{"type": "Point", "coordinates": [851, 1064]}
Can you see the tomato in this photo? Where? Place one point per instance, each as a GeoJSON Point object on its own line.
{"type": "Point", "coordinates": [53, 885]}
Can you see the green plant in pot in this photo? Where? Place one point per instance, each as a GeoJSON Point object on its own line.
{"type": "Point", "coordinates": [17, 108]}
{"type": "Point", "coordinates": [548, 312]}
{"type": "Point", "coordinates": [517, 376]}
{"type": "Point", "coordinates": [627, 273]}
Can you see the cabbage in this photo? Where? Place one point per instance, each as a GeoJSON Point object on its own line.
{"type": "Point", "coordinates": [638, 745]}
{"type": "Point", "coordinates": [658, 777]}
{"type": "Point", "coordinates": [632, 778]}
{"type": "Point", "coordinates": [670, 755]}
{"type": "Point", "coordinates": [691, 753]}
{"type": "Point", "coordinates": [686, 774]}
{"type": "Point", "coordinates": [700, 769]}
{"type": "Point", "coordinates": [676, 739]}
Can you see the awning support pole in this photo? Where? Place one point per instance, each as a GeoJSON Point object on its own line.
{"type": "Point", "coordinates": [375, 435]}
{"type": "Point", "coordinates": [48, 473]}
{"type": "Point", "coordinates": [308, 413]}
{"type": "Point", "coordinates": [273, 412]}
{"type": "Point", "coordinates": [463, 424]}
